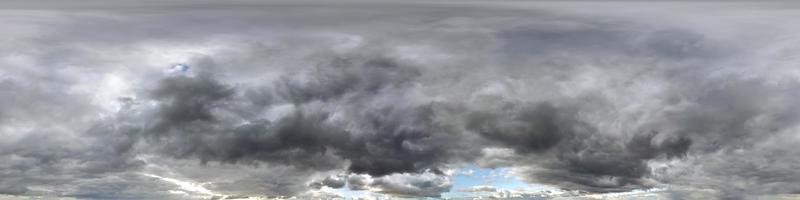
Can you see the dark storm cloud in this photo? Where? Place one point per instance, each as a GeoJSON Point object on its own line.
{"type": "Point", "coordinates": [578, 155]}
{"type": "Point", "coordinates": [534, 129]}
{"type": "Point", "coordinates": [390, 138]}
{"type": "Point", "coordinates": [573, 154]}
{"type": "Point", "coordinates": [277, 103]}
{"type": "Point", "coordinates": [186, 127]}
{"type": "Point", "coordinates": [187, 100]}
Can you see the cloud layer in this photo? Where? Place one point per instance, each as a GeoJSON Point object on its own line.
{"type": "Point", "coordinates": [247, 99]}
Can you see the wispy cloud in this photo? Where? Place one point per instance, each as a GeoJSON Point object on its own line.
{"type": "Point", "coordinates": [187, 186]}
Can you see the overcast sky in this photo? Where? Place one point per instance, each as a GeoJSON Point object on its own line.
{"type": "Point", "coordinates": [363, 100]}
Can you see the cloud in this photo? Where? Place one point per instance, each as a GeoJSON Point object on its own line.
{"type": "Point", "coordinates": [403, 184]}
{"type": "Point", "coordinates": [299, 99]}
{"type": "Point", "coordinates": [184, 185]}
{"type": "Point", "coordinates": [331, 182]}
{"type": "Point", "coordinates": [480, 188]}
{"type": "Point", "coordinates": [14, 190]}
{"type": "Point", "coordinates": [358, 182]}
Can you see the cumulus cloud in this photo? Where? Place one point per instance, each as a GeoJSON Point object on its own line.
{"type": "Point", "coordinates": [290, 99]}
{"type": "Point", "coordinates": [330, 181]}
{"type": "Point", "coordinates": [481, 188]}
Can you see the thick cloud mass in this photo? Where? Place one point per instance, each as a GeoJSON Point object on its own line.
{"type": "Point", "coordinates": [291, 99]}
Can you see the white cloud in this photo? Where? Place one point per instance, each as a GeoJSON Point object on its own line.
{"type": "Point", "coordinates": [186, 186]}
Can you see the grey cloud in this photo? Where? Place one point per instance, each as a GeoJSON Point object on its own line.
{"type": "Point", "coordinates": [357, 182]}
{"type": "Point", "coordinates": [120, 186]}
{"type": "Point", "coordinates": [13, 189]}
{"type": "Point", "coordinates": [187, 100]}
{"type": "Point", "coordinates": [330, 181]}
{"type": "Point", "coordinates": [602, 38]}
{"type": "Point", "coordinates": [572, 153]}
{"type": "Point", "coordinates": [480, 188]}
{"type": "Point", "coordinates": [532, 129]}
{"type": "Point", "coordinates": [417, 185]}
{"type": "Point", "coordinates": [389, 138]}
{"type": "Point", "coordinates": [425, 185]}
{"type": "Point", "coordinates": [575, 100]}
{"type": "Point", "coordinates": [347, 76]}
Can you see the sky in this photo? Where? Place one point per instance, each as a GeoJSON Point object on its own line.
{"type": "Point", "coordinates": [350, 99]}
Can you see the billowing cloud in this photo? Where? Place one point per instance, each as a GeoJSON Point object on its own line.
{"type": "Point", "coordinates": [252, 99]}
{"type": "Point", "coordinates": [481, 188]}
